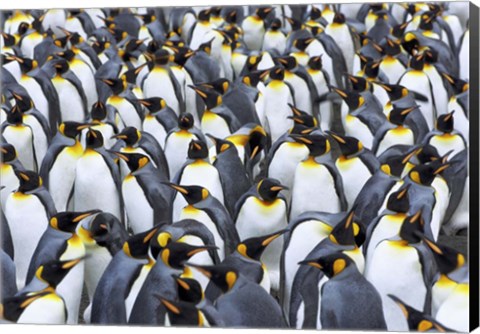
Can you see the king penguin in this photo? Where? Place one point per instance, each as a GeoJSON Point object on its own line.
{"type": "Point", "coordinates": [145, 196]}
{"type": "Point", "coordinates": [253, 27]}
{"type": "Point", "coordinates": [348, 299]}
{"type": "Point", "coordinates": [197, 170]}
{"type": "Point", "coordinates": [61, 242]}
{"type": "Point", "coordinates": [159, 119]}
{"type": "Point", "coordinates": [444, 137]}
{"type": "Point", "coordinates": [58, 166]}
{"type": "Point", "coordinates": [39, 302]}
{"type": "Point", "coordinates": [262, 210]}
{"type": "Point", "coordinates": [96, 173]}
{"type": "Point", "coordinates": [8, 165]}
{"type": "Point", "coordinates": [317, 184]}
{"type": "Point", "coordinates": [28, 211]}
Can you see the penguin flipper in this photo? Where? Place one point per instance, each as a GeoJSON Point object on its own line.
{"type": "Point", "coordinates": [7, 271]}
{"type": "Point", "coordinates": [53, 101]}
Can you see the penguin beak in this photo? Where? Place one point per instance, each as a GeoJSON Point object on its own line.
{"type": "Point", "coordinates": [120, 155]}
{"type": "Point", "coordinates": [198, 91]}
{"type": "Point", "coordinates": [300, 139]}
{"type": "Point", "coordinates": [200, 268]}
{"type": "Point", "coordinates": [340, 92]}
{"type": "Point", "coordinates": [177, 188]}
{"type": "Point", "coordinates": [268, 240]}
{"type": "Point", "coordinates": [432, 246]}
{"type": "Point", "coordinates": [108, 82]}
{"type": "Point", "coordinates": [119, 136]}
{"type": "Point", "coordinates": [311, 263]}
{"type": "Point", "coordinates": [84, 126]}
{"type": "Point", "coordinates": [72, 263]}
{"type": "Point", "coordinates": [336, 137]}
{"type": "Point", "coordinates": [408, 110]}
{"type": "Point", "coordinates": [278, 188]}
{"type": "Point", "coordinates": [201, 249]}
{"type": "Point", "coordinates": [85, 215]}
{"type": "Point", "coordinates": [400, 304]}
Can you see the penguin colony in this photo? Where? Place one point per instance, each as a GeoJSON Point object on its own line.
{"type": "Point", "coordinates": [278, 166]}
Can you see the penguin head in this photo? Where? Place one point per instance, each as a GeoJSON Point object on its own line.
{"type": "Point", "coordinates": [204, 15]}
{"type": "Point", "coordinates": [302, 43]}
{"type": "Point", "coordinates": [22, 28]}
{"type": "Point", "coordinates": [206, 46]}
{"type": "Point", "coordinates": [130, 135]}
{"type": "Point", "coordinates": [339, 18]}
{"type": "Point", "coordinates": [175, 254]}
{"type": "Point", "coordinates": [8, 40]}
{"type": "Point", "coordinates": [197, 149]}
{"type": "Point", "coordinates": [252, 61]}
{"type": "Point", "coordinates": [209, 96]}
{"type": "Point", "coordinates": [347, 232]}
{"type": "Point", "coordinates": [192, 194]}
{"type": "Point", "coordinates": [301, 117]}
{"type": "Point", "coordinates": [54, 272]}
{"type": "Point", "coordinates": [67, 221]}
{"type": "Point", "coordinates": [397, 115]}
{"type": "Point", "coordinates": [71, 129]}
{"type": "Point", "coordinates": [61, 66]}
{"type": "Point", "coordinates": [26, 64]}
{"type": "Point", "coordinates": [138, 245]}
{"type": "Point", "coordinates": [392, 47]}
{"type": "Point", "coordinates": [231, 17]}
{"type": "Point", "coordinates": [372, 68]}
{"type": "Point", "coordinates": [253, 248]}
{"type": "Point", "coordinates": [8, 152]}
{"type": "Point", "coordinates": [348, 145]}
{"type": "Point", "coordinates": [445, 122]}
{"type": "Point", "coordinates": [394, 165]}
{"type": "Point", "coordinates": [398, 30]}
{"type": "Point", "coordinates": [425, 174]}
{"type": "Point", "coordinates": [221, 145]}
{"type": "Point", "coordinates": [398, 201]}
{"type": "Point", "coordinates": [353, 99]}
{"type": "Point", "coordinates": [315, 13]}
{"type": "Point", "coordinates": [331, 264]}
{"type": "Point", "coordinates": [153, 104]}
{"type": "Point", "coordinates": [29, 180]}
{"type": "Point", "coordinates": [394, 92]}
{"type": "Point", "coordinates": [185, 121]}
{"type": "Point", "coordinates": [417, 62]}
{"type": "Point", "coordinates": [254, 77]}
{"type": "Point", "coordinates": [268, 189]}
{"type": "Point", "coordinates": [94, 139]}
{"type": "Point", "coordinates": [23, 100]}
{"type": "Point", "coordinates": [418, 321]}
{"type": "Point", "coordinates": [68, 55]}
{"type": "Point", "coordinates": [276, 24]}
{"type": "Point", "coordinates": [220, 85]}
{"type": "Point", "coordinates": [459, 86]}
{"type": "Point", "coordinates": [103, 229]}
{"type": "Point", "coordinates": [359, 84]}
{"type": "Point", "coordinates": [222, 275]}
{"type": "Point", "coordinates": [315, 63]}
{"type": "Point", "coordinates": [189, 290]}
{"type": "Point", "coordinates": [426, 20]}
{"type": "Point", "coordinates": [181, 313]}
{"type": "Point", "coordinates": [258, 140]}
{"type": "Point", "coordinates": [182, 55]}
{"type": "Point", "coordinates": [412, 228]}
{"type": "Point", "coordinates": [15, 115]}
{"type": "Point", "coordinates": [162, 57]}
{"type": "Point", "coordinates": [277, 73]}
{"type": "Point", "coordinates": [288, 62]}
{"type": "Point", "coordinates": [98, 111]}
{"type": "Point", "coordinates": [147, 18]}
{"type": "Point", "coordinates": [428, 154]}
{"type": "Point", "coordinates": [447, 258]}
{"type": "Point", "coordinates": [116, 85]}
{"type": "Point", "coordinates": [135, 161]}
{"type": "Point", "coordinates": [263, 12]}
{"type": "Point", "coordinates": [317, 144]}
{"type": "Point", "coordinates": [295, 24]}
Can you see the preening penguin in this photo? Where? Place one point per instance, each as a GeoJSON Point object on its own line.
{"type": "Point", "coordinates": [348, 299]}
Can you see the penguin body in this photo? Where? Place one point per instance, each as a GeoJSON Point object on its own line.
{"type": "Point", "coordinates": [345, 290]}
{"type": "Point", "coordinates": [413, 273]}
{"type": "Point", "coordinates": [119, 276]}
{"type": "Point", "coordinates": [73, 104]}
{"type": "Point", "coordinates": [340, 32]}
{"type": "Point", "coordinates": [28, 211]}
{"type": "Point", "coordinates": [146, 197]}
{"type": "Point", "coordinates": [261, 204]}
{"type": "Point", "coordinates": [197, 170]}
{"type": "Point", "coordinates": [61, 159]}
{"type": "Point", "coordinates": [314, 173]}
{"type": "Point", "coordinates": [253, 27]}
{"type": "Point", "coordinates": [96, 164]}
{"type": "Point", "coordinates": [8, 165]}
